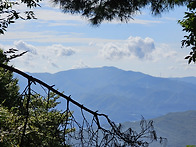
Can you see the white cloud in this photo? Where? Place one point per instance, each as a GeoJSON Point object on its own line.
{"type": "Point", "coordinates": [52, 37]}
{"type": "Point", "coordinates": [21, 45]}
{"type": "Point", "coordinates": [163, 51]}
{"type": "Point", "coordinates": [47, 51]}
{"type": "Point", "coordinates": [132, 47]}
{"type": "Point", "coordinates": [54, 55]}
{"type": "Point", "coordinates": [112, 51]}
{"type": "Point", "coordinates": [53, 64]}
{"type": "Point", "coordinates": [137, 48]}
{"type": "Point", "coordinates": [56, 15]}
{"type": "Point", "coordinates": [61, 50]}
{"type": "Point", "coordinates": [42, 58]}
{"type": "Point", "coordinates": [140, 47]}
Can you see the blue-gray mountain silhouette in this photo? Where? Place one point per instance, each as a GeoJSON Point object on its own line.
{"type": "Point", "coordinates": [178, 127]}
{"type": "Point", "coordinates": [124, 95]}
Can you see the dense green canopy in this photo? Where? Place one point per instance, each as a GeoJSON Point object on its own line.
{"type": "Point", "coordinates": [99, 10]}
{"type": "Point", "coordinates": [9, 95]}
{"type": "Point", "coordinates": [29, 119]}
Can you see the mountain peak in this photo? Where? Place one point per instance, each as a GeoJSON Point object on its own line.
{"type": "Point", "coordinates": [120, 93]}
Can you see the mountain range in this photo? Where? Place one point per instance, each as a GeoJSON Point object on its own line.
{"type": "Point", "coordinates": [123, 95]}
{"type": "Point", "coordinates": [178, 127]}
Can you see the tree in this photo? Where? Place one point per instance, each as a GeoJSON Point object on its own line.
{"type": "Point", "coordinates": [99, 10]}
{"type": "Point", "coordinates": [45, 126]}
{"type": "Point", "coordinates": [9, 95]}
{"type": "Point", "coordinates": [36, 121]}
{"type": "Point", "coordinates": [189, 26]}
{"type": "Point", "coordinates": [29, 119]}
{"type": "Point", "coordinates": [8, 14]}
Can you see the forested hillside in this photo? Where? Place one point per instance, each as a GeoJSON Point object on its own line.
{"type": "Point", "coordinates": [123, 95]}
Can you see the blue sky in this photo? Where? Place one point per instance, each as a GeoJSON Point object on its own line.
{"type": "Point", "coordinates": [58, 41]}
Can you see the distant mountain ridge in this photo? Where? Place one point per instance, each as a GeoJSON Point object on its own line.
{"type": "Point", "coordinates": [178, 127]}
{"type": "Point", "coordinates": [123, 95]}
{"type": "Point", "coordinates": [191, 79]}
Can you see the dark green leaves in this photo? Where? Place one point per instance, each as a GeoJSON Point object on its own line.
{"type": "Point", "coordinates": [31, 3]}
{"type": "Point", "coordinates": [8, 15]}
{"type": "Point", "coordinates": [189, 26]}
{"type": "Point", "coordinates": [99, 10]}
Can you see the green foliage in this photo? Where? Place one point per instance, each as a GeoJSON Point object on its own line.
{"type": "Point", "coordinates": [29, 120]}
{"type": "Point", "coordinates": [45, 126]}
{"type": "Point", "coordinates": [189, 26]}
{"type": "Point", "coordinates": [9, 95]}
{"type": "Point", "coordinates": [9, 15]}
{"type": "Point", "coordinates": [99, 10]}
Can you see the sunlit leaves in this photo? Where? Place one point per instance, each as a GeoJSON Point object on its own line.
{"type": "Point", "coordinates": [189, 26]}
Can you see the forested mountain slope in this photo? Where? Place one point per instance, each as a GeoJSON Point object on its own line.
{"type": "Point", "coordinates": [178, 127]}
{"type": "Point", "coordinates": [123, 95]}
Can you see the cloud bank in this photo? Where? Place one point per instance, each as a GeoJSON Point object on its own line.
{"type": "Point", "coordinates": [112, 51]}
{"type": "Point", "coordinates": [132, 47]}
{"type": "Point", "coordinates": [136, 48]}
{"type": "Point", "coordinates": [55, 49]}
{"type": "Point", "coordinates": [43, 57]}
{"type": "Point", "coordinates": [61, 50]}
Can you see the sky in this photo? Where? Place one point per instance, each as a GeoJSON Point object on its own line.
{"type": "Point", "coordinates": [57, 42]}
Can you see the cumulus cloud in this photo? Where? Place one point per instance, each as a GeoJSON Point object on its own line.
{"type": "Point", "coordinates": [133, 46]}
{"type": "Point", "coordinates": [61, 50]}
{"type": "Point", "coordinates": [21, 45]}
{"type": "Point", "coordinates": [112, 51]}
{"type": "Point", "coordinates": [163, 51]}
{"type": "Point", "coordinates": [140, 47]}
{"type": "Point", "coordinates": [45, 58]}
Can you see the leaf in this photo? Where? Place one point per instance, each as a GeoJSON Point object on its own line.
{"type": "Point", "coordinates": [1, 31]}
{"type": "Point", "coordinates": [187, 57]}
{"type": "Point", "coordinates": [190, 59]}
{"type": "Point", "coordinates": [12, 21]}
{"type": "Point", "coordinates": [193, 58]}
